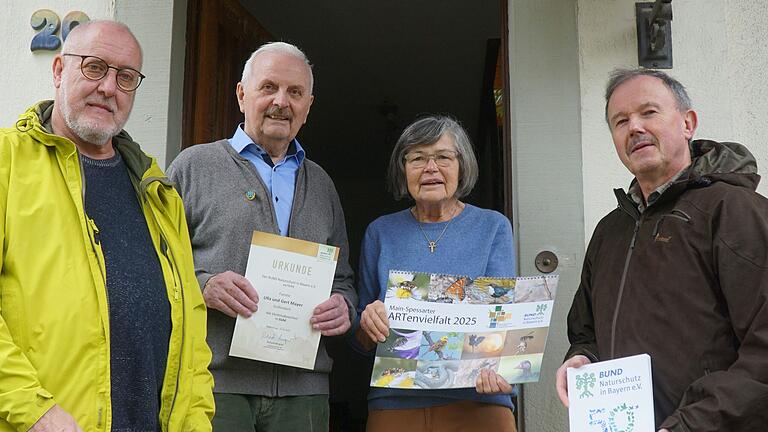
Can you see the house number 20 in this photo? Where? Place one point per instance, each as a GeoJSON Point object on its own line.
{"type": "Point", "coordinates": [47, 23]}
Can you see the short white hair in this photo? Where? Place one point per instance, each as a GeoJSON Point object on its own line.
{"type": "Point", "coordinates": [278, 47]}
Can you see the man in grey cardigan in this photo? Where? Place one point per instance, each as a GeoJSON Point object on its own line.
{"type": "Point", "coordinates": [260, 180]}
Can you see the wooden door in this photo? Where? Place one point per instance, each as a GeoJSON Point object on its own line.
{"type": "Point", "coordinates": [221, 34]}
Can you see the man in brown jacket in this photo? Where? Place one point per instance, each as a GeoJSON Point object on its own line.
{"type": "Point", "coordinates": [680, 269]}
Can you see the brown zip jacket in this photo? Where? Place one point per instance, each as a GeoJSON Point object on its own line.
{"type": "Point", "coordinates": [686, 281]}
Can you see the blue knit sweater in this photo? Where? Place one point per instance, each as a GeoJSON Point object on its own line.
{"type": "Point", "coordinates": [477, 243]}
{"type": "Point", "coordinates": [139, 312]}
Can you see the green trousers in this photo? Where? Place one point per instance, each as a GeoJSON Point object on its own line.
{"type": "Point", "coordinates": [246, 413]}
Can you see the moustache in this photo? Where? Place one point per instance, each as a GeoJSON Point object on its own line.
{"type": "Point", "coordinates": [275, 111]}
{"type": "Point", "coordinates": [96, 100]}
{"type": "Point", "coordinates": [640, 138]}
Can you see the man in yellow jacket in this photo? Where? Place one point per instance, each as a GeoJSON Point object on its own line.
{"type": "Point", "coordinates": [102, 324]}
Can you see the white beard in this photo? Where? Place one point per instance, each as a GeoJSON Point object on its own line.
{"type": "Point", "coordinates": [88, 130]}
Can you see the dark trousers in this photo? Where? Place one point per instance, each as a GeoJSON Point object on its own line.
{"type": "Point", "coordinates": [246, 413]}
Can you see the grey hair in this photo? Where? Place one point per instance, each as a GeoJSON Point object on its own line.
{"type": "Point", "coordinates": [278, 47]}
{"type": "Point", "coordinates": [427, 131]}
{"type": "Point", "coordinates": [620, 76]}
{"type": "Point", "coordinates": [84, 26]}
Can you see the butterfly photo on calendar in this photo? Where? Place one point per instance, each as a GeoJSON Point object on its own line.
{"type": "Point", "coordinates": [441, 288]}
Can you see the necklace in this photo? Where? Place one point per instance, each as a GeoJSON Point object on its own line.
{"type": "Point", "coordinates": [432, 244]}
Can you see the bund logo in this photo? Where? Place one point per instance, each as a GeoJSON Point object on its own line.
{"type": "Point", "coordinates": [584, 383]}
{"type": "Point", "coordinates": [540, 309]}
{"type": "Point", "coordinates": [498, 315]}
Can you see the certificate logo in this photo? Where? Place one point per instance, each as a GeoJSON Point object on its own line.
{"type": "Point", "coordinates": [584, 383]}
{"type": "Point", "coordinates": [326, 253]}
{"type": "Point", "coordinates": [498, 315]}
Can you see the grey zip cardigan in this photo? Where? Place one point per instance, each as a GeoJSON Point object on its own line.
{"type": "Point", "coordinates": [216, 183]}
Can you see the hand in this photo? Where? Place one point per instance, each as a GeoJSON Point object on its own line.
{"type": "Point", "coordinates": [374, 322]}
{"type": "Point", "coordinates": [331, 317]}
{"type": "Point", "coordinates": [56, 420]}
{"type": "Point", "coordinates": [663, 430]}
{"type": "Point", "coordinates": [231, 294]}
{"type": "Point", "coordinates": [561, 383]}
{"type": "Point", "coordinates": [489, 382]}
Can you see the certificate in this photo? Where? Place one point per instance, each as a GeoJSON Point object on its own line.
{"type": "Point", "coordinates": [612, 396]}
{"type": "Point", "coordinates": [292, 277]}
{"type": "Point", "coordinates": [444, 329]}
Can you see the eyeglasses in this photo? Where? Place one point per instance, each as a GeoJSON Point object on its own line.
{"type": "Point", "coordinates": [94, 69]}
{"type": "Point", "coordinates": [444, 158]}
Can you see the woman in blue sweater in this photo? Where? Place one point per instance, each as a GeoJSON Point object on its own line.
{"type": "Point", "coordinates": [433, 163]}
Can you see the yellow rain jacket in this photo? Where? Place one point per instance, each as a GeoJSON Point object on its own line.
{"type": "Point", "coordinates": [54, 320]}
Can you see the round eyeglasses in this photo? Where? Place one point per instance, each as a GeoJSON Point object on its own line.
{"type": "Point", "coordinates": [94, 69]}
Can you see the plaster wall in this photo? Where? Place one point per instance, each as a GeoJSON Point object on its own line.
{"type": "Point", "coordinates": [720, 49]}
{"type": "Point", "coordinates": [25, 76]}
{"type": "Point", "coordinates": [160, 26]}
{"type": "Point", "coordinates": [544, 105]}
{"type": "Point", "coordinates": [156, 118]}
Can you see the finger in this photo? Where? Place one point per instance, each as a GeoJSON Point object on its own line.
{"type": "Point", "coordinates": [328, 324]}
{"type": "Point", "coordinates": [326, 305]}
{"type": "Point", "coordinates": [482, 382]}
{"type": "Point", "coordinates": [333, 302]}
{"type": "Point", "coordinates": [245, 287]}
{"type": "Point", "coordinates": [338, 329]}
{"type": "Point", "coordinates": [223, 308]}
{"type": "Point", "coordinates": [381, 312]}
{"type": "Point", "coordinates": [370, 328]}
{"type": "Point", "coordinates": [502, 384]}
{"type": "Point", "coordinates": [382, 328]}
{"type": "Point", "coordinates": [236, 294]}
{"type": "Point", "coordinates": [214, 302]}
{"type": "Point", "coordinates": [329, 315]}
{"type": "Point", "coordinates": [491, 386]}
{"type": "Point", "coordinates": [373, 333]}
{"type": "Point", "coordinates": [223, 288]}
{"type": "Point", "coordinates": [236, 306]}
{"type": "Point", "coordinates": [562, 386]}
{"type": "Point", "coordinates": [382, 325]}
{"type": "Point", "coordinates": [335, 324]}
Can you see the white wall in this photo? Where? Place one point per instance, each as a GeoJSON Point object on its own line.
{"type": "Point", "coordinates": [25, 76]}
{"type": "Point", "coordinates": [720, 50]}
{"type": "Point", "coordinates": [544, 111]}
{"type": "Point", "coordinates": [155, 122]}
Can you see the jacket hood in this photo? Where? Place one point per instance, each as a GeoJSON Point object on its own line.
{"type": "Point", "coordinates": [728, 162]}
{"type": "Point", "coordinates": [38, 117]}
{"type": "Point", "coordinates": [711, 162]}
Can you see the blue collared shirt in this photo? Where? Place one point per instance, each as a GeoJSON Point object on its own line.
{"type": "Point", "coordinates": [280, 178]}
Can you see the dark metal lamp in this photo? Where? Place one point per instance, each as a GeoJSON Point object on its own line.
{"type": "Point", "coordinates": [654, 34]}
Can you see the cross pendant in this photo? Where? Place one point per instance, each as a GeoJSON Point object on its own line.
{"type": "Point", "coordinates": [432, 246]}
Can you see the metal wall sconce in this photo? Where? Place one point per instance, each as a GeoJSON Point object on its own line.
{"type": "Point", "coordinates": [654, 34]}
